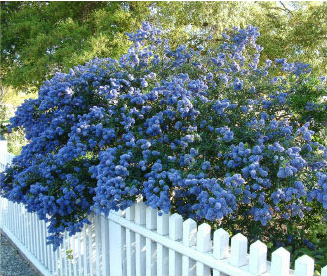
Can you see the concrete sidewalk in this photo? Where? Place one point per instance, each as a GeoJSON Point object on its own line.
{"type": "Point", "coordinates": [11, 262]}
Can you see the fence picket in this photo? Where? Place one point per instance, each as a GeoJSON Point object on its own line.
{"type": "Point", "coordinates": [151, 257]}
{"type": "Point", "coordinates": [203, 244]}
{"type": "Point", "coordinates": [44, 245]}
{"type": "Point", "coordinates": [239, 250]}
{"type": "Point", "coordinates": [15, 221]}
{"type": "Point", "coordinates": [39, 238]}
{"type": "Point", "coordinates": [324, 271]}
{"type": "Point", "coordinates": [220, 247]}
{"type": "Point", "coordinates": [85, 260]}
{"type": "Point", "coordinates": [97, 228]}
{"type": "Point", "coordinates": [12, 221]}
{"type": "Point", "coordinates": [280, 262]}
{"type": "Point", "coordinates": [162, 251]}
{"type": "Point", "coordinates": [18, 219]}
{"type": "Point", "coordinates": [25, 225]}
{"type": "Point", "coordinates": [51, 257]}
{"type": "Point", "coordinates": [84, 270]}
{"type": "Point", "coordinates": [189, 239]}
{"type": "Point", "coordinates": [175, 234]}
{"type": "Point", "coordinates": [75, 259]}
{"type": "Point", "coordinates": [130, 243]}
{"type": "Point", "coordinates": [61, 259]}
{"type": "Point", "coordinates": [140, 215]}
{"type": "Point", "coordinates": [116, 245]}
{"type": "Point", "coordinates": [304, 266]}
{"type": "Point", "coordinates": [34, 235]}
{"type": "Point", "coordinates": [28, 226]}
{"type": "Point", "coordinates": [58, 262]}
{"type": "Point", "coordinates": [64, 255]}
{"type": "Point", "coordinates": [10, 218]}
{"type": "Point", "coordinates": [70, 255]}
{"type": "Point", "coordinates": [258, 258]}
{"type": "Point", "coordinates": [105, 246]}
{"type": "Point", "coordinates": [90, 246]}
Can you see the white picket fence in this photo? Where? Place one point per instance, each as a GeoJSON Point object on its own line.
{"type": "Point", "coordinates": [138, 241]}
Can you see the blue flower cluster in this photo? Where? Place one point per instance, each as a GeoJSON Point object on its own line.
{"type": "Point", "coordinates": [212, 137]}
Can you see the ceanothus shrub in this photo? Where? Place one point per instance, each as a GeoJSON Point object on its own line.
{"type": "Point", "coordinates": [213, 134]}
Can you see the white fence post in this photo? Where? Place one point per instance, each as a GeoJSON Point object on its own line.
{"type": "Point", "coordinates": [61, 259]}
{"type": "Point", "coordinates": [175, 234]}
{"type": "Point", "coordinates": [162, 251]}
{"type": "Point", "coordinates": [84, 267]}
{"type": "Point", "coordinates": [116, 248]}
{"type": "Point", "coordinates": [70, 254]}
{"type": "Point", "coordinates": [324, 271]}
{"type": "Point", "coordinates": [280, 262]}
{"type": "Point", "coordinates": [239, 250]}
{"type": "Point", "coordinates": [220, 247]}
{"type": "Point", "coordinates": [189, 239]}
{"type": "Point", "coordinates": [130, 243]}
{"type": "Point", "coordinates": [97, 228]}
{"type": "Point", "coordinates": [58, 269]}
{"type": "Point", "coordinates": [151, 257]}
{"type": "Point", "coordinates": [304, 266]}
{"type": "Point", "coordinates": [140, 215]}
{"type": "Point", "coordinates": [258, 258]}
{"type": "Point", "coordinates": [105, 245]}
{"type": "Point", "coordinates": [203, 244]}
{"type": "Point", "coordinates": [75, 255]}
{"type": "Point", "coordinates": [29, 229]}
{"type": "Point", "coordinates": [35, 251]}
{"type": "Point", "coordinates": [90, 246]}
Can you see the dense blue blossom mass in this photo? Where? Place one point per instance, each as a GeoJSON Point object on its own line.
{"type": "Point", "coordinates": [212, 134]}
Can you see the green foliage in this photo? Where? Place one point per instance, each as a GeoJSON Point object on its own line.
{"type": "Point", "coordinates": [9, 100]}
{"type": "Point", "coordinates": [40, 38]}
{"type": "Point", "coordinates": [295, 30]}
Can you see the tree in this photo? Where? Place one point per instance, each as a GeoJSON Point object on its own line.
{"type": "Point", "coordinates": [294, 30]}
{"type": "Point", "coordinates": [40, 38]}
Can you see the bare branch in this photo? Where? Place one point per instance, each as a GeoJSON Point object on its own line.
{"type": "Point", "coordinates": [285, 8]}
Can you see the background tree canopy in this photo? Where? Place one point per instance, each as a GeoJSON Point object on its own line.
{"type": "Point", "coordinates": [41, 38]}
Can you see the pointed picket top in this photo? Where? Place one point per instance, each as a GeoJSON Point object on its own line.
{"type": "Point", "coordinates": [176, 227]}
{"type": "Point", "coordinates": [280, 262]}
{"type": "Point", "coordinates": [151, 218]}
{"type": "Point", "coordinates": [220, 244]}
{"type": "Point", "coordinates": [163, 224]}
{"type": "Point", "coordinates": [203, 238]}
{"type": "Point", "coordinates": [189, 232]}
{"type": "Point", "coordinates": [304, 266]}
{"type": "Point", "coordinates": [258, 258]}
{"type": "Point", "coordinates": [239, 248]}
{"type": "Point", "coordinates": [140, 210]}
{"type": "Point", "coordinates": [324, 271]}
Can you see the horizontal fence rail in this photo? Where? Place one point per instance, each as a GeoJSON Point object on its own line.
{"type": "Point", "coordinates": [140, 241]}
